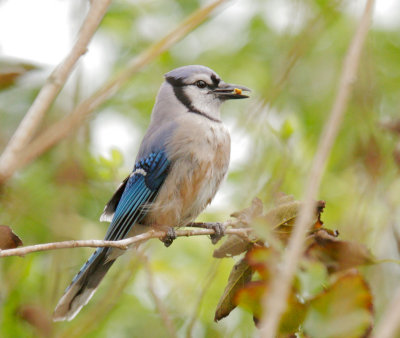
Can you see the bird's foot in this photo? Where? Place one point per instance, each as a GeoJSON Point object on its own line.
{"type": "Point", "coordinates": [169, 237]}
{"type": "Point", "coordinates": [219, 232]}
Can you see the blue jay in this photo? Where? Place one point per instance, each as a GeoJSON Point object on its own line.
{"type": "Point", "coordinates": [182, 161]}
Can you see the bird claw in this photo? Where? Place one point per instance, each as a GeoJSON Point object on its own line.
{"type": "Point", "coordinates": [219, 232]}
{"type": "Point", "coordinates": [169, 237]}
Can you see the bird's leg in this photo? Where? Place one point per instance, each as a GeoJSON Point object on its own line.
{"type": "Point", "coordinates": [170, 235]}
{"type": "Point", "coordinates": [219, 229]}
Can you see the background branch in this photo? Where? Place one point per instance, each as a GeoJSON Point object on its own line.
{"type": "Point", "coordinates": [275, 301]}
{"type": "Point", "coordinates": [61, 129]}
{"type": "Point", "coordinates": [31, 121]}
{"type": "Point", "coordinates": [121, 244]}
{"type": "Point", "coordinates": [390, 321]}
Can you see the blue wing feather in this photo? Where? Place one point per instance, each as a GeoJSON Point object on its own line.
{"type": "Point", "coordinates": [142, 186]}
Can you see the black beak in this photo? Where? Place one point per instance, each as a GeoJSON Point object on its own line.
{"type": "Point", "coordinates": [228, 91]}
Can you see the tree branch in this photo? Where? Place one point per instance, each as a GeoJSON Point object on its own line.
{"type": "Point", "coordinates": [390, 321]}
{"type": "Point", "coordinates": [275, 301]}
{"type": "Point", "coordinates": [61, 129]}
{"type": "Point", "coordinates": [51, 88]}
{"type": "Point", "coordinates": [123, 244]}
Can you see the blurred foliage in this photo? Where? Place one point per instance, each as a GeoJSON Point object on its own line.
{"type": "Point", "coordinates": [316, 303]}
{"type": "Point", "coordinates": [293, 70]}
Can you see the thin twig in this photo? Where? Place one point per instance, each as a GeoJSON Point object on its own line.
{"type": "Point", "coordinates": [71, 122]}
{"type": "Point", "coordinates": [390, 321]}
{"type": "Point", "coordinates": [275, 302]}
{"type": "Point", "coordinates": [122, 244]}
{"type": "Point", "coordinates": [51, 88]}
{"type": "Point", "coordinates": [162, 310]}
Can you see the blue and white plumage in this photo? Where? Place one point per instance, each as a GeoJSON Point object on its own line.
{"type": "Point", "coordinates": [182, 160]}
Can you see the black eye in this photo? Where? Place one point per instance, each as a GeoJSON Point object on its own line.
{"type": "Point", "coordinates": [201, 84]}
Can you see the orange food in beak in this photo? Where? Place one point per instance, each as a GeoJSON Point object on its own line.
{"type": "Point", "coordinates": [237, 91]}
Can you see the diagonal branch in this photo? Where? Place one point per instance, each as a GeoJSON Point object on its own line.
{"type": "Point", "coordinates": [31, 121]}
{"type": "Point", "coordinates": [61, 129]}
{"type": "Point", "coordinates": [389, 323]}
{"type": "Point", "coordinates": [275, 301]}
{"type": "Point", "coordinates": [122, 244]}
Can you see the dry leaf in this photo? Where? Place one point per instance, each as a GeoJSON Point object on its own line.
{"type": "Point", "coordinates": [240, 275]}
{"type": "Point", "coordinates": [250, 299]}
{"type": "Point", "coordinates": [11, 71]}
{"type": "Point", "coordinates": [232, 246]}
{"type": "Point", "coordinates": [335, 254]}
{"type": "Point", "coordinates": [262, 260]}
{"type": "Point", "coordinates": [245, 216]}
{"type": "Point", "coordinates": [8, 239]}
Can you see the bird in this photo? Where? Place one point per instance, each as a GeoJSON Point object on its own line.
{"type": "Point", "coordinates": [181, 162]}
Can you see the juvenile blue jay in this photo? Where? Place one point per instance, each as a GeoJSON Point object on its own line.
{"type": "Point", "coordinates": [182, 161]}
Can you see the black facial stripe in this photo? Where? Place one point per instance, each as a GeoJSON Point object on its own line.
{"type": "Point", "coordinates": [181, 96]}
{"type": "Point", "coordinates": [215, 80]}
{"type": "Point", "coordinates": [174, 82]}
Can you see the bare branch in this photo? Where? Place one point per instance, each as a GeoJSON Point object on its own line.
{"type": "Point", "coordinates": [51, 88]}
{"type": "Point", "coordinates": [275, 301]}
{"type": "Point", "coordinates": [123, 244]}
{"type": "Point", "coordinates": [65, 126]}
{"type": "Point", "coordinates": [390, 321]}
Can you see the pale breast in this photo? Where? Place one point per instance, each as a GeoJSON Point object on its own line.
{"type": "Point", "coordinates": [199, 152]}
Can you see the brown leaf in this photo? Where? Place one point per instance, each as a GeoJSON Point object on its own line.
{"type": "Point", "coordinates": [335, 254]}
{"type": "Point", "coordinates": [36, 317]}
{"type": "Point", "coordinates": [250, 298]}
{"type": "Point", "coordinates": [8, 239]}
{"type": "Point", "coordinates": [10, 71]}
{"type": "Point", "coordinates": [240, 275]}
{"type": "Point", "coordinates": [262, 260]}
{"type": "Point", "coordinates": [232, 246]}
{"type": "Point", "coordinates": [245, 216]}
{"type": "Point", "coordinates": [282, 218]}
{"type": "Point", "coordinates": [343, 310]}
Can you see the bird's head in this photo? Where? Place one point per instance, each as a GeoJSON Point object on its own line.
{"type": "Point", "coordinates": [201, 90]}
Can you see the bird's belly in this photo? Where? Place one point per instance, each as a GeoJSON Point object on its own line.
{"type": "Point", "coordinates": [191, 184]}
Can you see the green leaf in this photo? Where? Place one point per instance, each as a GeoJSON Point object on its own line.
{"type": "Point", "coordinates": [117, 158]}
{"type": "Point", "coordinates": [343, 310]}
{"type": "Point", "coordinates": [240, 275]}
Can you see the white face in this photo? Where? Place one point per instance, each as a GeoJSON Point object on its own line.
{"type": "Point", "coordinates": [204, 100]}
{"type": "Point", "coordinates": [201, 90]}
